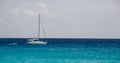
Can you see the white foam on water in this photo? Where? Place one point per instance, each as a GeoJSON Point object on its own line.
{"type": "Point", "coordinates": [61, 60]}
{"type": "Point", "coordinates": [12, 43]}
{"type": "Point", "coordinates": [9, 59]}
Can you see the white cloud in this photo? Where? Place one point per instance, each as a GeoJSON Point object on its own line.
{"type": "Point", "coordinates": [40, 8]}
{"type": "Point", "coordinates": [23, 12]}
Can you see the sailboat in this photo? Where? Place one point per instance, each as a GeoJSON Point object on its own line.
{"type": "Point", "coordinates": [37, 40]}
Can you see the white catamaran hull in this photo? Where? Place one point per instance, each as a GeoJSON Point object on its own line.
{"type": "Point", "coordinates": [37, 42]}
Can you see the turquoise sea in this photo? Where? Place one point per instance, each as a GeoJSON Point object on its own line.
{"type": "Point", "coordinates": [60, 50]}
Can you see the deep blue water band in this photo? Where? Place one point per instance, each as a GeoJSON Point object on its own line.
{"type": "Point", "coordinates": [67, 41]}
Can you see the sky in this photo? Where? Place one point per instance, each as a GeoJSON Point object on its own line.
{"type": "Point", "coordinates": [61, 18]}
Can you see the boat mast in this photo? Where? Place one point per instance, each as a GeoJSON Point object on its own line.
{"type": "Point", "coordinates": [38, 27]}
